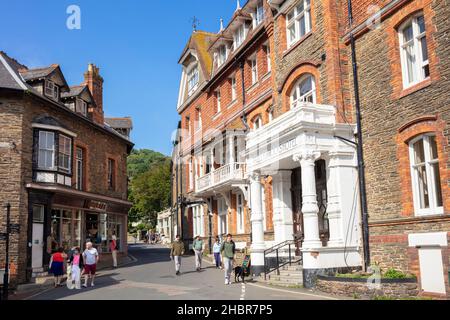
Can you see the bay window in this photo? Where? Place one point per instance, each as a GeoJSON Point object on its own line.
{"type": "Point", "coordinates": [298, 22]}
{"type": "Point", "coordinates": [46, 152]}
{"type": "Point", "coordinates": [414, 52]}
{"type": "Point", "coordinates": [426, 182]}
{"type": "Point", "coordinates": [65, 153]}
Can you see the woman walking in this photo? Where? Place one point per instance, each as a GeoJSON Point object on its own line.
{"type": "Point", "coordinates": [216, 251]}
{"type": "Point", "coordinates": [57, 265]}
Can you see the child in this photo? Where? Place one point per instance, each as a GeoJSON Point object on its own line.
{"type": "Point", "coordinates": [57, 265]}
{"type": "Point", "coordinates": [216, 250]}
{"type": "Point", "coordinates": [76, 265]}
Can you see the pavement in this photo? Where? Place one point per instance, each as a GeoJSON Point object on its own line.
{"type": "Point", "coordinates": [151, 276]}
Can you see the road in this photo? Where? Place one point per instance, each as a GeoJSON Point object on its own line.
{"type": "Point", "coordinates": [152, 277]}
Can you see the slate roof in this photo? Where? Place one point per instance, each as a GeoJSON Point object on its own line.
{"type": "Point", "coordinates": [7, 76]}
{"type": "Point", "coordinates": [31, 74]}
{"type": "Point", "coordinates": [122, 123]}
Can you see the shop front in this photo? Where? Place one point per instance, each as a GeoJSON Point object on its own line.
{"type": "Point", "coordinates": [66, 218]}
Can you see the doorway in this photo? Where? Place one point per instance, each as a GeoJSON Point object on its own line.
{"type": "Point", "coordinates": [37, 247]}
{"type": "Point", "coordinates": [297, 201]}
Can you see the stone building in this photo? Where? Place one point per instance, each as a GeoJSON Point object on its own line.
{"type": "Point", "coordinates": [62, 169]}
{"type": "Point", "coordinates": [268, 129]}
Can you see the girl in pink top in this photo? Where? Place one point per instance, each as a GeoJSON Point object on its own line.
{"type": "Point", "coordinates": [76, 263]}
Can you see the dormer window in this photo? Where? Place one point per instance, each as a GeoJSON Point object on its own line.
{"type": "Point", "coordinates": [259, 14]}
{"type": "Point", "coordinates": [81, 107]}
{"type": "Point", "coordinates": [222, 55]}
{"type": "Point", "coordinates": [193, 79]}
{"type": "Point", "coordinates": [51, 90]}
{"type": "Point", "coordinates": [239, 36]}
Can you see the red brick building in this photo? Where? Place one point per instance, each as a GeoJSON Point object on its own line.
{"type": "Point", "coordinates": [62, 169]}
{"type": "Point", "coordinates": [264, 105]}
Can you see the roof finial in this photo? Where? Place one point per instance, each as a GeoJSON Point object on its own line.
{"type": "Point", "coordinates": [221, 25]}
{"type": "Point", "coordinates": [238, 5]}
{"type": "Point", "coordinates": [195, 23]}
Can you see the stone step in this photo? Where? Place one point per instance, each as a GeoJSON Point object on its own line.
{"type": "Point", "coordinates": [285, 284]}
{"type": "Point", "coordinates": [293, 268]}
{"type": "Point", "coordinates": [287, 273]}
{"type": "Point", "coordinates": [285, 278]}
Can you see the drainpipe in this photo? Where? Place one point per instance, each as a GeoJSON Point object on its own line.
{"type": "Point", "coordinates": [361, 166]}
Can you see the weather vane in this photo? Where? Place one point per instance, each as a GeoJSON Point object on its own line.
{"type": "Point", "coordinates": [195, 23]}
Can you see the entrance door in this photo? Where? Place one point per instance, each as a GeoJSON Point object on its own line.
{"type": "Point", "coordinates": [37, 248]}
{"type": "Point", "coordinates": [296, 190]}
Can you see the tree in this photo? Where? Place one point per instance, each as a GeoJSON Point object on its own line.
{"type": "Point", "coordinates": [149, 188]}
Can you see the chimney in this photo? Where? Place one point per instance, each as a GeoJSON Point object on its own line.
{"type": "Point", "coordinates": [95, 84]}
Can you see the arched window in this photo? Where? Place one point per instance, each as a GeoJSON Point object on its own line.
{"type": "Point", "coordinates": [257, 123]}
{"type": "Point", "coordinates": [304, 91]}
{"type": "Point", "coordinates": [426, 181]}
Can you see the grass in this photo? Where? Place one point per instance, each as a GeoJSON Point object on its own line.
{"type": "Point", "coordinates": [389, 274]}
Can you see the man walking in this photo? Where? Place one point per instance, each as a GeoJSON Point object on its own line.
{"type": "Point", "coordinates": [198, 250]}
{"type": "Point", "coordinates": [90, 257]}
{"type": "Point", "coordinates": [228, 250]}
{"type": "Point", "coordinates": [176, 252]}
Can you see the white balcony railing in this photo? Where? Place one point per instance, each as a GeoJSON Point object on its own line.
{"type": "Point", "coordinates": [227, 173]}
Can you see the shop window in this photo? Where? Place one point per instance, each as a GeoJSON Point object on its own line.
{"type": "Point", "coordinates": [65, 228]}
{"type": "Point", "coordinates": [426, 180]}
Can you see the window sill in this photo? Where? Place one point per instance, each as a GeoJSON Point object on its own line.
{"type": "Point", "coordinates": [217, 115]}
{"type": "Point", "coordinates": [252, 87]}
{"type": "Point", "coordinates": [232, 103]}
{"type": "Point", "coordinates": [416, 87]}
{"type": "Point", "coordinates": [296, 44]}
{"type": "Point", "coordinates": [266, 76]}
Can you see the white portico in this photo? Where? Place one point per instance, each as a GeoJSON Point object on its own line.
{"type": "Point", "coordinates": [315, 195]}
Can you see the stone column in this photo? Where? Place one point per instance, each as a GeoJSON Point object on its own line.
{"type": "Point", "coordinates": [310, 208]}
{"type": "Point", "coordinates": [283, 223]}
{"type": "Point", "coordinates": [231, 149]}
{"type": "Point", "coordinates": [334, 205]}
{"type": "Point", "coordinates": [258, 244]}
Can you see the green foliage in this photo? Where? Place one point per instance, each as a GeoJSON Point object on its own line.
{"type": "Point", "coordinates": [149, 187]}
{"type": "Point", "coordinates": [395, 274]}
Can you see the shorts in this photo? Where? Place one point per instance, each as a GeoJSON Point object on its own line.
{"type": "Point", "coordinates": [90, 269]}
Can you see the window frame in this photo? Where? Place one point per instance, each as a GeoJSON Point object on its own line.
{"type": "Point", "coordinates": [419, 65]}
{"type": "Point", "coordinates": [257, 123]}
{"type": "Point", "coordinates": [80, 164]}
{"type": "Point", "coordinates": [218, 101]}
{"type": "Point", "coordinates": [81, 107]}
{"type": "Point", "coordinates": [240, 214]}
{"type": "Point", "coordinates": [301, 98]}
{"type": "Point", "coordinates": [222, 55]}
{"type": "Point", "coordinates": [51, 90]}
{"type": "Point", "coordinates": [433, 209]}
{"type": "Point", "coordinates": [259, 14]}
{"type": "Point", "coordinates": [268, 57]}
{"type": "Point", "coordinates": [254, 69]}
{"type": "Point", "coordinates": [62, 154]}
{"type": "Point", "coordinates": [111, 174]}
{"type": "Point", "coordinates": [193, 73]}
{"type": "Point", "coordinates": [233, 89]}
{"type": "Point", "coordinates": [53, 150]}
{"type": "Point", "coordinates": [295, 20]}
{"type": "Point", "coordinates": [239, 36]}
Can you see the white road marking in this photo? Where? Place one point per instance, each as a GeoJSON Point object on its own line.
{"type": "Point", "coordinates": [293, 292]}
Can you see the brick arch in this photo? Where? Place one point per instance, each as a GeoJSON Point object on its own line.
{"type": "Point", "coordinates": [293, 77]}
{"type": "Point", "coordinates": [406, 133]}
{"type": "Point", "coordinates": [254, 117]}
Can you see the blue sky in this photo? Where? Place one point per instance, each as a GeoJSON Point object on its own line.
{"type": "Point", "coordinates": [136, 43]}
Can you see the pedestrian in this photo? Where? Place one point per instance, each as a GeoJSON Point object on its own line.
{"type": "Point", "coordinates": [57, 265]}
{"type": "Point", "coordinates": [90, 256]}
{"type": "Point", "coordinates": [216, 251]}
{"type": "Point", "coordinates": [197, 245]}
{"type": "Point", "coordinates": [76, 265]}
{"type": "Point", "coordinates": [113, 247]}
{"type": "Point", "coordinates": [176, 252]}
{"type": "Point", "coordinates": [228, 250]}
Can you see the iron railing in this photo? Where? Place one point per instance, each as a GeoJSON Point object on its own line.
{"type": "Point", "coordinates": [280, 255]}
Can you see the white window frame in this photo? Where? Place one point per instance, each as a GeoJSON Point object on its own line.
{"type": "Point", "coordinates": [258, 14]}
{"type": "Point", "coordinates": [257, 123]}
{"type": "Point", "coordinates": [302, 98]}
{"type": "Point", "coordinates": [268, 57]}
{"type": "Point", "coordinates": [240, 213]}
{"type": "Point", "coordinates": [51, 90]}
{"type": "Point", "coordinates": [218, 101]}
{"type": "Point", "coordinates": [65, 150]}
{"type": "Point", "coordinates": [193, 78]}
{"type": "Point", "coordinates": [432, 196]}
{"type": "Point", "coordinates": [254, 69]}
{"type": "Point", "coordinates": [44, 147]}
{"type": "Point", "coordinates": [239, 36]}
{"type": "Point", "coordinates": [233, 89]}
{"type": "Point", "coordinates": [222, 55]}
{"type": "Point", "coordinates": [419, 64]}
{"type": "Point", "coordinates": [199, 114]}
{"type": "Point", "coordinates": [270, 114]}
{"type": "Point", "coordinates": [222, 216]}
{"type": "Point", "coordinates": [295, 21]}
